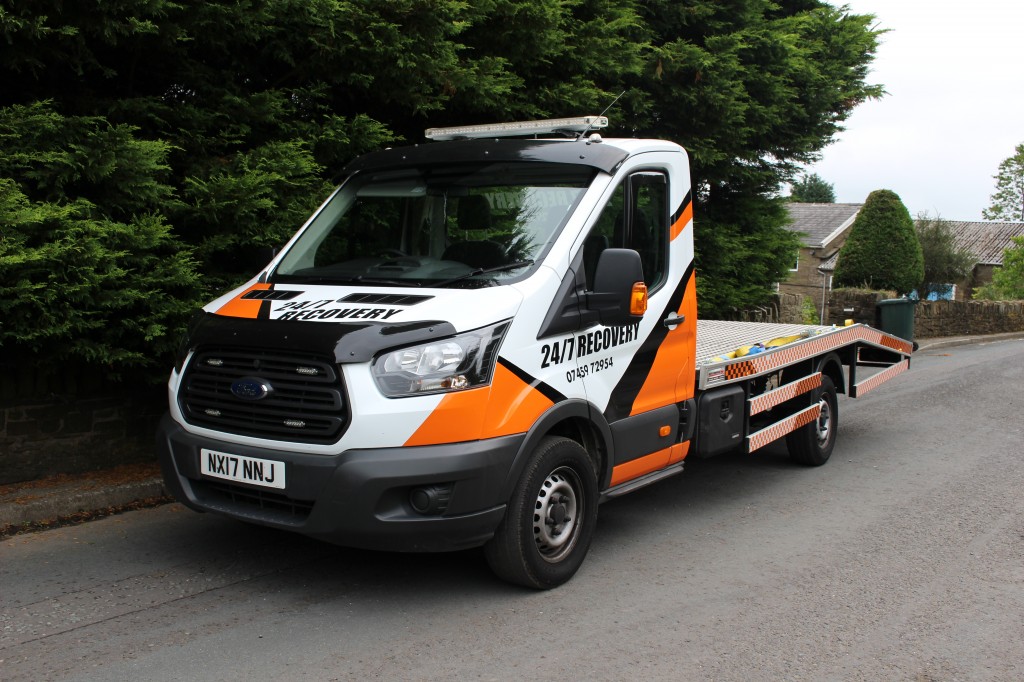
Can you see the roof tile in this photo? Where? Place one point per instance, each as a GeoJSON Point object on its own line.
{"type": "Point", "coordinates": [818, 222]}
{"type": "Point", "coordinates": [985, 240]}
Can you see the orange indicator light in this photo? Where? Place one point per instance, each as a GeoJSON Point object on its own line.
{"type": "Point", "coordinates": [638, 299]}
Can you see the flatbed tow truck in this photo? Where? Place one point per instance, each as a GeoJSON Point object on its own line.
{"type": "Point", "coordinates": [477, 340]}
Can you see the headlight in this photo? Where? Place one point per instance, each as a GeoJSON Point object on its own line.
{"type": "Point", "coordinates": [461, 362]}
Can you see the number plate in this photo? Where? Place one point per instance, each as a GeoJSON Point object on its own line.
{"type": "Point", "coordinates": [264, 472]}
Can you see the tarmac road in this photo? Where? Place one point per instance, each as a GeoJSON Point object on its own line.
{"type": "Point", "coordinates": [901, 559]}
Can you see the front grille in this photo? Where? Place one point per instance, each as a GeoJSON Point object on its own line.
{"type": "Point", "coordinates": [305, 403]}
{"type": "Point", "coordinates": [231, 497]}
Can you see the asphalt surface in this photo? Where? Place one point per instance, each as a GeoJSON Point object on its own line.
{"type": "Point", "coordinates": [901, 559]}
{"type": "Point", "coordinates": [65, 499]}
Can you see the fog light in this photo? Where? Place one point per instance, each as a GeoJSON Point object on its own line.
{"type": "Point", "coordinates": [431, 500]}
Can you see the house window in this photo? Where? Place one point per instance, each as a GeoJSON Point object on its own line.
{"type": "Point", "coordinates": [796, 263]}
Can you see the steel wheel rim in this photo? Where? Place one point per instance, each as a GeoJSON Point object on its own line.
{"type": "Point", "coordinates": [824, 423]}
{"type": "Point", "coordinates": [556, 514]}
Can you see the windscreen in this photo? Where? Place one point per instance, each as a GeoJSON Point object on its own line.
{"type": "Point", "coordinates": [466, 226]}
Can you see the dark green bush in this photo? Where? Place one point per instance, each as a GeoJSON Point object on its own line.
{"type": "Point", "coordinates": [883, 250]}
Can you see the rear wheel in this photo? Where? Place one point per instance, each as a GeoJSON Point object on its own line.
{"type": "Point", "coordinates": [812, 444]}
{"type": "Point", "coordinates": [550, 520]}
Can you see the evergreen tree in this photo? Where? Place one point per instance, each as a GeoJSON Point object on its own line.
{"type": "Point", "coordinates": [812, 189]}
{"type": "Point", "coordinates": [882, 250]}
{"type": "Point", "coordinates": [944, 262]}
{"type": "Point", "coordinates": [753, 90]}
{"type": "Point", "coordinates": [1008, 200]}
{"type": "Point", "coordinates": [89, 269]}
{"type": "Point", "coordinates": [228, 122]}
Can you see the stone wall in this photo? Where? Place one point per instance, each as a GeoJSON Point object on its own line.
{"type": "Point", "coordinates": [790, 308]}
{"type": "Point", "coordinates": [962, 318]}
{"type": "Point", "coordinates": [64, 432]}
{"type": "Point", "coordinates": [782, 307]}
{"type": "Point", "coordinates": [859, 305]}
{"type": "Point", "coordinates": [931, 318]}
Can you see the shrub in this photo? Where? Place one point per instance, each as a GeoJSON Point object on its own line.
{"type": "Point", "coordinates": [883, 250]}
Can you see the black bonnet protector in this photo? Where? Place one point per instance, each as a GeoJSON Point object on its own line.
{"type": "Point", "coordinates": [346, 342]}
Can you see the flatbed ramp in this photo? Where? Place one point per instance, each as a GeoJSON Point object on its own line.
{"type": "Point", "coordinates": [717, 338]}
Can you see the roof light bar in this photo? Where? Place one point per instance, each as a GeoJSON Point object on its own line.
{"type": "Point", "coordinates": [576, 125]}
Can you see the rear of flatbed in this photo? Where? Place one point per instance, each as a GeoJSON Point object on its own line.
{"type": "Point", "coordinates": [776, 377]}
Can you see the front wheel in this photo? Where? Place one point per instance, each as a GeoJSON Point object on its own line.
{"type": "Point", "coordinates": [812, 444]}
{"type": "Point", "coordinates": [550, 519]}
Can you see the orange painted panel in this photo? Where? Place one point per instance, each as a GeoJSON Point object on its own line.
{"type": "Point", "coordinates": [643, 465]}
{"type": "Point", "coordinates": [678, 452]}
{"type": "Point", "coordinates": [673, 367]}
{"type": "Point", "coordinates": [509, 405]}
{"type": "Point", "coordinates": [513, 406]}
{"type": "Point", "coordinates": [238, 307]}
{"type": "Point", "coordinates": [457, 418]}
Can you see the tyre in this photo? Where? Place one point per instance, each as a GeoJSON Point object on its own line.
{"type": "Point", "coordinates": [550, 519]}
{"type": "Point", "coordinates": [812, 444]}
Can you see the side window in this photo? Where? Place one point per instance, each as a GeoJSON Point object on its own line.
{"type": "Point", "coordinates": [649, 234]}
{"type": "Point", "coordinates": [636, 217]}
{"type": "Point", "coordinates": [607, 232]}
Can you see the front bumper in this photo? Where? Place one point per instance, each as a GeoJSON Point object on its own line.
{"type": "Point", "coordinates": [359, 498]}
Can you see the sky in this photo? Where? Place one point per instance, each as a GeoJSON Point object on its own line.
{"type": "Point", "coordinates": [954, 72]}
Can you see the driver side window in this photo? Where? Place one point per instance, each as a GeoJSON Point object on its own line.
{"type": "Point", "coordinates": [636, 217]}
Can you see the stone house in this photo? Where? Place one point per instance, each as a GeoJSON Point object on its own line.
{"type": "Point", "coordinates": [986, 242]}
{"type": "Point", "coordinates": [823, 229]}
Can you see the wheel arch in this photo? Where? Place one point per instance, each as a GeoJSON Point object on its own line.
{"type": "Point", "coordinates": [576, 420]}
{"type": "Point", "coordinates": [832, 367]}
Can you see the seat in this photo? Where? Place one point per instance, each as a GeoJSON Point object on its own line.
{"type": "Point", "coordinates": [592, 248]}
{"type": "Point", "coordinates": [476, 254]}
{"type": "Point", "coordinates": [474, 213]}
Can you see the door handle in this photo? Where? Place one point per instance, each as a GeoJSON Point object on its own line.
{"type": "Point", "coordinates": [673, 320]}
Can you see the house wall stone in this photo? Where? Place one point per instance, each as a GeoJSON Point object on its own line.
{"type": "Point", "coordinates": [806, 280]}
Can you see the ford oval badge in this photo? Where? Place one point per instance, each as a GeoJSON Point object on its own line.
{"type": "Point", "coordinates": [250, 388]}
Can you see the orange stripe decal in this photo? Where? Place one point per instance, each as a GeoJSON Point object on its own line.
{"type": "Point", "coordinates": [640, 466]}
{"type": "Point", "coordinates": [508, 406]}
{"type": "Point", "coordinates": [684, 219]}
{"type": "Point", "coordinates": [239, 307]}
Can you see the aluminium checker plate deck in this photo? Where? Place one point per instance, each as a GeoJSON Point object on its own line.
{"type": "Point", "coordinates": [717, 337]}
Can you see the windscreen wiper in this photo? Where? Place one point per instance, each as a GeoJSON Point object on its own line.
{"type": "Point", "coordinates": [484, 271]}
{"type": "Point", "coordinates": [353, 279]}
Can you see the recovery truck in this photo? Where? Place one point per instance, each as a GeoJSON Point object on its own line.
{"type": "Point", "coordinates": [477, 340]}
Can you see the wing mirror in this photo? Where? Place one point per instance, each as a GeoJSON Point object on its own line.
{"type": "Point", "coordinates": [619, 296]}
